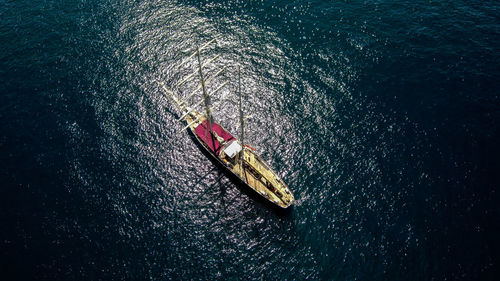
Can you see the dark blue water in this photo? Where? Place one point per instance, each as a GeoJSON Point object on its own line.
{"type": "Point", "coordinates": [382, 116]}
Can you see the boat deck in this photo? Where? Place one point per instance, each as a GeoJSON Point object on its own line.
{"type": "Point", "coordinates": [262, 179]}
{"type": "Point", "coordinates": [253, 170]}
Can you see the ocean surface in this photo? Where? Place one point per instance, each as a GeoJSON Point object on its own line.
{"type": "Point", "coordinates": [382, 116]}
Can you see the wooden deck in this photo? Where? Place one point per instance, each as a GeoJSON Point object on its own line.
{"type": "Point", "coordinates": [255, 173]}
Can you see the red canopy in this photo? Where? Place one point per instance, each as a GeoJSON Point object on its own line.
{"type": "Point", "coordinates": [200, 131]}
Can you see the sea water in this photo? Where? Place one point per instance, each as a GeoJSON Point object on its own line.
{"type": "Point", "coordinates": [382, 117]}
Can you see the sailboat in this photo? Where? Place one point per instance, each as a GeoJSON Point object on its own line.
{"type": "Point", "coordinates": [232, 153]}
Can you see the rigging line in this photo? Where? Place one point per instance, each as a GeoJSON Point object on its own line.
{"type": "Point", "coordinates": [200, 87]}
{"type": "Point", "coordinates": [194, 72]}
{"type": "Point", "coordinates": [195, 52]}
{"type": "Point", "coordinates": [202, 100]}
{"type": "Point", "coordinates": [241, 125]}
{"type": "Point", "coordinates": [207, 104]}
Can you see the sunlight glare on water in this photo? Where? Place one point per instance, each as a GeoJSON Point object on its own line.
{"type": "Point", "coordinates": [379, 115]}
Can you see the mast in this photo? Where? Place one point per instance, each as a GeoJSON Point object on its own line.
{"type": "Point", "coordinates": [207, 100]}
{"type": "Point", "coordinates": [242, 128]}
{"type": "Point", "coordinates": [242, 125]}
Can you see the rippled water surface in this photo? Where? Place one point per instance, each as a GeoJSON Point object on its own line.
{"type": "Point", "coordinates": [382, 117]}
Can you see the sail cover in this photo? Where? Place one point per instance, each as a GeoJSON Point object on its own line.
{"type": "Point", "coordinates": [200, 132]}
